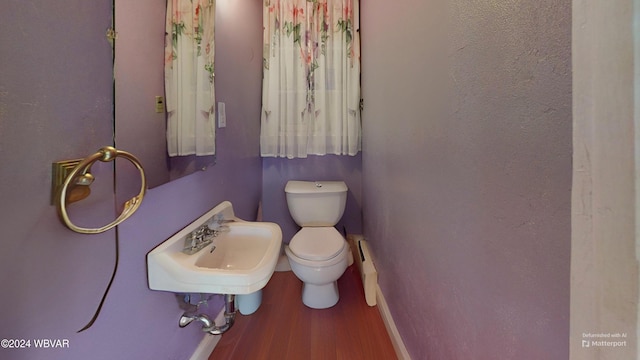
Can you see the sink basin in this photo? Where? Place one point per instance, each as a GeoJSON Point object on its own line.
{"type": "Point", "coordinates": [240, 260]}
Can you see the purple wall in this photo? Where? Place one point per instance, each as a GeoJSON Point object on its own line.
{"type": "Point", "coordinates": [54, 84]}
{"type": "Point", "coordinates": [56, 103]}
{"type": "Point", "coordinates": [464, 179]}
{"type": "Point", "coordinates": [467, 173]}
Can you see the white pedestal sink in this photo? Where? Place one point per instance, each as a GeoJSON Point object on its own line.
{"type": "Point", "coordinates": [240, 260]}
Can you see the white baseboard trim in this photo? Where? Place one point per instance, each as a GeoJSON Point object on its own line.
{"type": "Point", "coordinates": [208, 342]}
{"type": "Point", "coordinates": [396, 340]}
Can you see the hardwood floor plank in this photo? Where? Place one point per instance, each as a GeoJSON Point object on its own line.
{"type": "Point", "coordinates": [284, 328]}
{"type": "Point", "coordinates": [322, 333]}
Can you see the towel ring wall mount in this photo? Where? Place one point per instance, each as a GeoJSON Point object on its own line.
{"type": "Point", "coordinates": [80, 175]}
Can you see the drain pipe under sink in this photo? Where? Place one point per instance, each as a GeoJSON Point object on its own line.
{"type": "Point", "coordinates": [209, 325]}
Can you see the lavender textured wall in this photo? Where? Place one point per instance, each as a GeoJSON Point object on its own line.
{"type": "Point", "coordinates": [276, 172]}
{"type": "Point", "coordinates": [235, 177]}
{"type": "Point", "coordinates": [467, 173]}
{"type": "Point", "coordinates": [56, 103]}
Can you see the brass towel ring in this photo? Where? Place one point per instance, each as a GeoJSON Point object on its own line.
{"type": "Point", "coordinates": [107, 153]}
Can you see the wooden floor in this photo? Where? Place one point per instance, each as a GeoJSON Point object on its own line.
{"type": "Point", "coordinates": [284, 328]}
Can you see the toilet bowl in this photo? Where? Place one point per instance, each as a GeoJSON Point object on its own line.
{"type": "Point", "coordinates": [318, 257]}
{"type": "Point", "coordinates": [318, 253]}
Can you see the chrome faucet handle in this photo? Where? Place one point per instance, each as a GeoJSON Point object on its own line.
{"type": "Point", "coordinates": [202, 231]}
{"type": "Point", "coordinates": [204, 235]}
{"type": "Point", "coordinates": [193, 238]}
{"type": "Point", "coordinates": [197, 239]}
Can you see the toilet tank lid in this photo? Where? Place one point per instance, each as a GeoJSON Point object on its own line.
{"type": "Point", "coordinates": [310, 187]}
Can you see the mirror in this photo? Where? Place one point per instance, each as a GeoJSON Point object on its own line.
{"type": "Point", "coordinates": [138, 80]}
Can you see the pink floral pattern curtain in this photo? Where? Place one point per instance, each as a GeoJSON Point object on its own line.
{"type": "Point", "coordinates": [189, 73]}
{"type": "Point", "coordinates": [311, 85]}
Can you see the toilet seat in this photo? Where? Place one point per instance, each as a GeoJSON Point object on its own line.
{"type": "Point", "coordinates": [317, 243]}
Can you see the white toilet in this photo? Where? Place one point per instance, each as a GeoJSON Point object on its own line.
{"type": "Point", "coordinates": [318, 253]}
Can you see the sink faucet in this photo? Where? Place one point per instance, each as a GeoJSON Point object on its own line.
{"type": "Point", "coordinates": [198, 239]}
{"type": "Point", "coordinates": [204, 235]}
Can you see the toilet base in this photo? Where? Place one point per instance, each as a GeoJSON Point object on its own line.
{"type": "Point", "coordinates": [320, 296]}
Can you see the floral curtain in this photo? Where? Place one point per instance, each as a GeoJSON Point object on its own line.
{"type": "Point", "coordinates": [188, 70]}
{"type": "Point", "coordinates": [311, 85]}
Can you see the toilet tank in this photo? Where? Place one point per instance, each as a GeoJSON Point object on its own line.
{"type": "Point", "coordinates": [316, 203]}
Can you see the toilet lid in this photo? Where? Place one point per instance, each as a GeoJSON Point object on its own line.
{"type": "Point", "coordinates": [317, 243]}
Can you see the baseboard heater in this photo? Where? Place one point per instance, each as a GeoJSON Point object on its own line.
{"type": "Point", "coordinates": [365, 265]}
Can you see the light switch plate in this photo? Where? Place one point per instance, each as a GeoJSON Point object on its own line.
{"type": "Point", "coordinates": [159, 104]}
{"type": "Point", "coordinates": [222, 115]}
